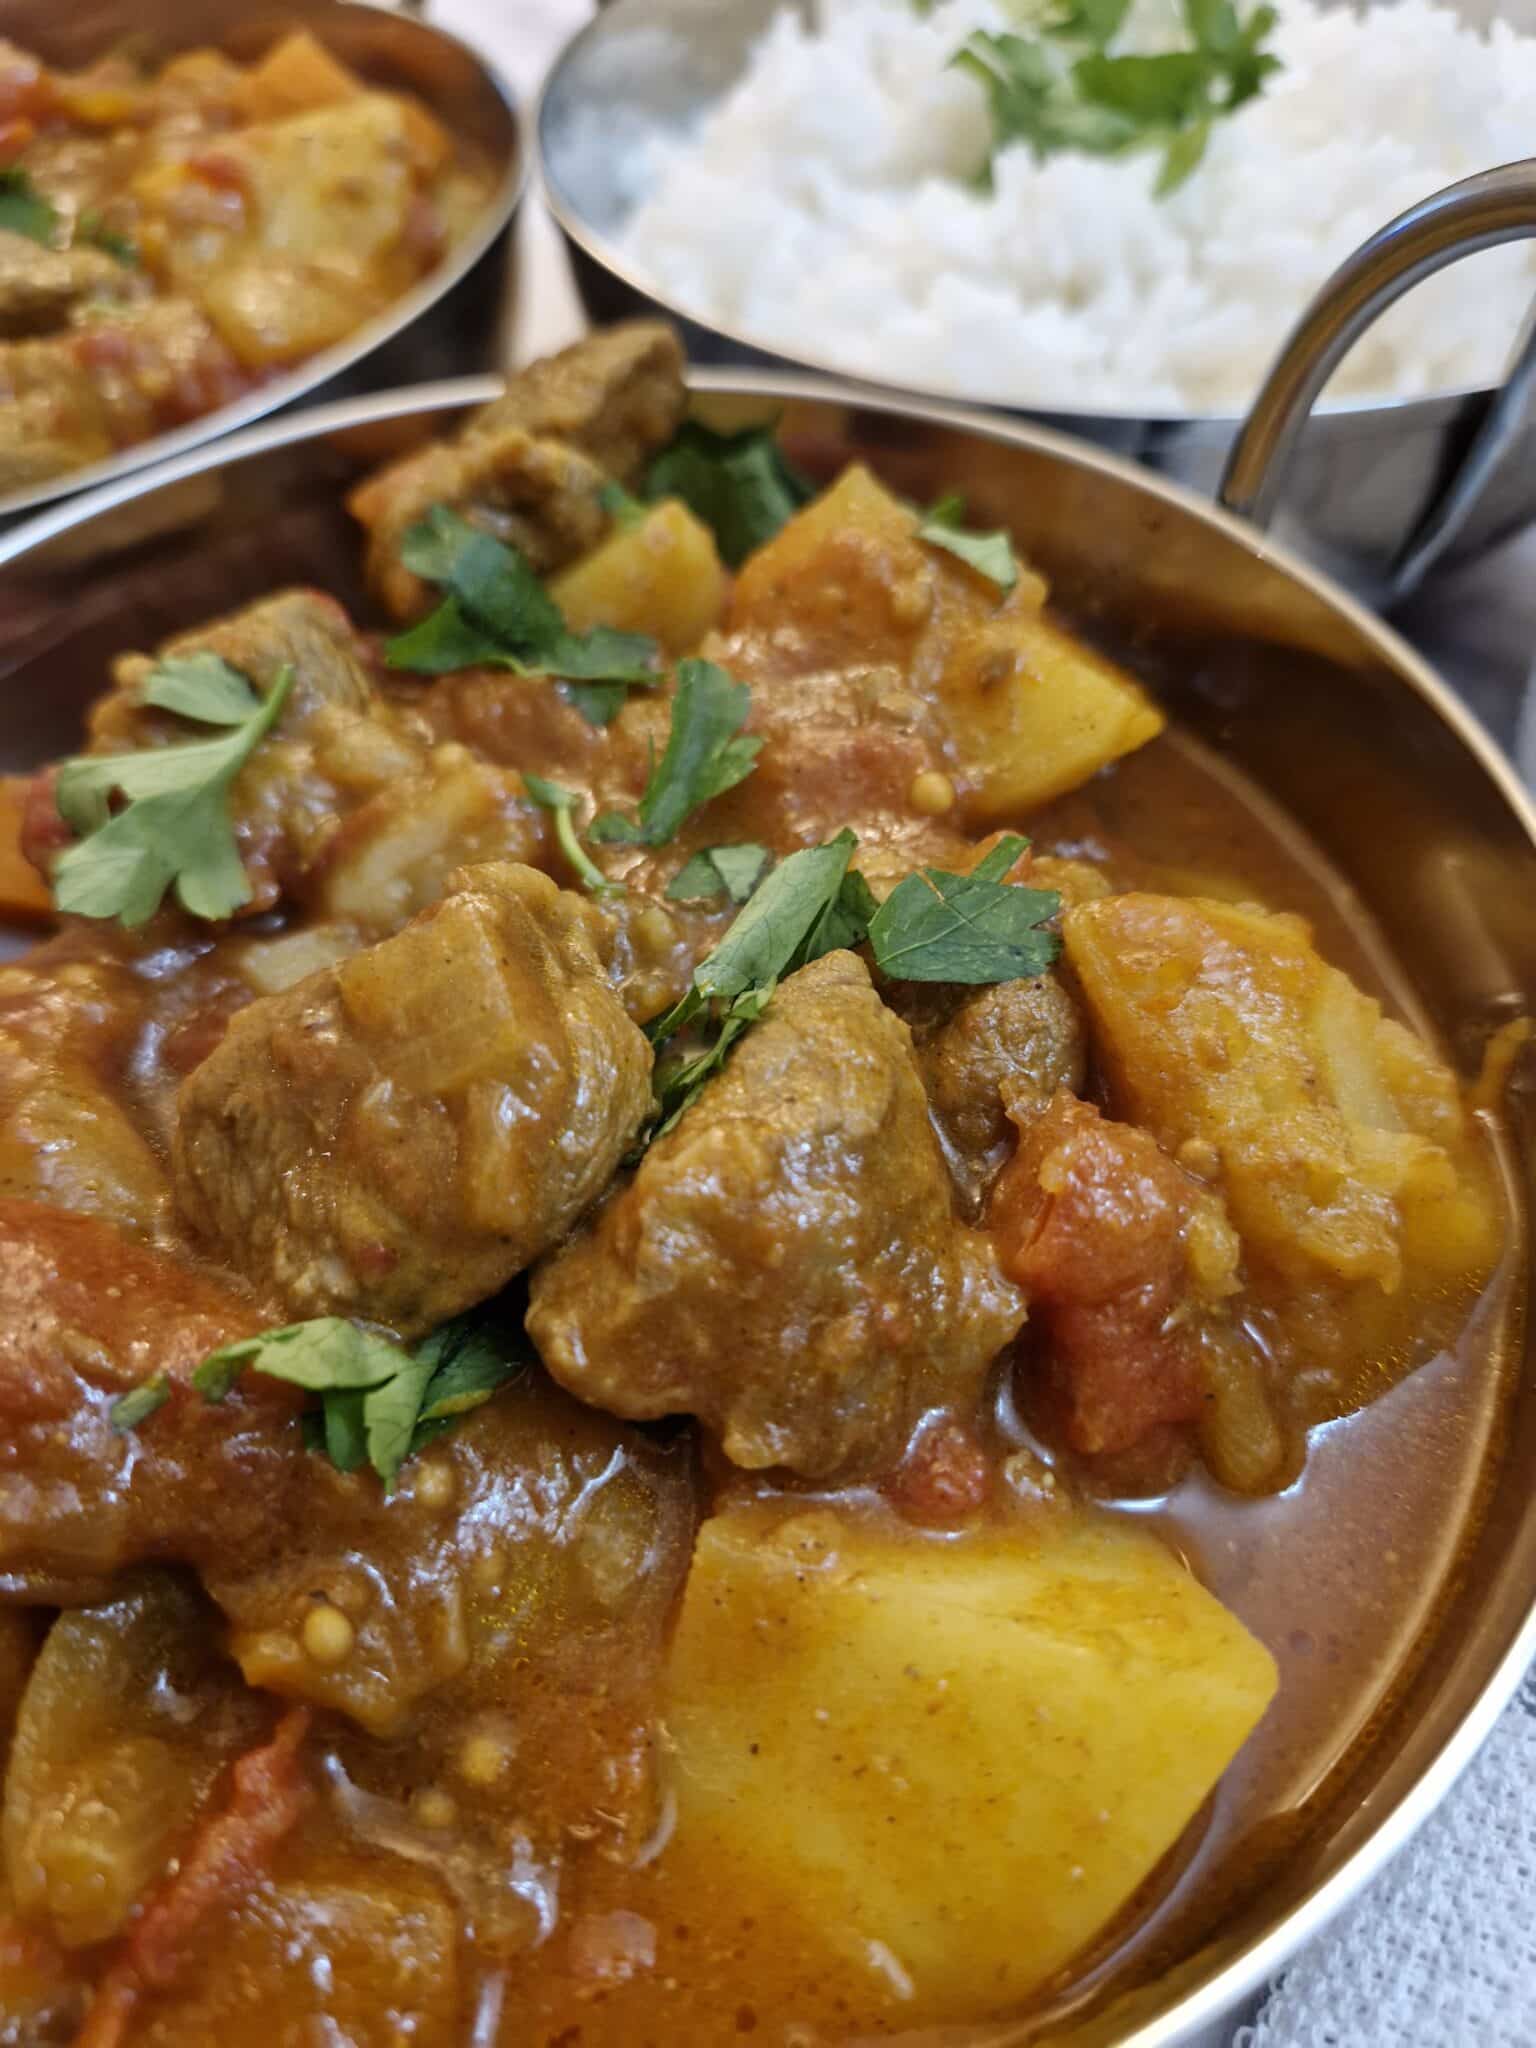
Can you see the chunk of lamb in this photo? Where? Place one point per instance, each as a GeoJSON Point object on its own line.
{"type": "Point", "coordinates": [400, 1133]}
{"type": "Point", "coordinates": [1001, 1052]}
{"type": "Point", "coordinates": [786, 1263]}
{"type": "Point", "coordinates": [40, 287]}
{"type": "Point", "coordinates": [1127, 1261]}
{"type": "Point", "coordinates": [585, 1519]}
{"type": "Point", "coordinates": [531, 466]}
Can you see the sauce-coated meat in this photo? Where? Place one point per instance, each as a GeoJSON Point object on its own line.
{"type": "Point", "coordinates": [399, 1134]}
{"type": "Point", "coordinates": [786, 1263]}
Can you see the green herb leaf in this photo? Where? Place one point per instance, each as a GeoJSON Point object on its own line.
{"type": "Point", "coordinates": [1067, 90]}
{"type": "Point", "coordinates": [496, 613]}
{"type": "Point", "coordinates": [379, 1402]}
{"type": "Point", "coordinates": [91, 228]}
{"type": "Point", "coordinates": [549, 796]}
{"type": "Point", "coordinates": [136, 1406]}
{"type": "Point", "coordinates": [971, 928]}
{"type": "Point", "coordinates": [174, 827]}
{"type": "Point", "coordinates": [705, 756]}
{"type": "Point", "coordinates": [24, 210]}
{"type": "Point", "coordinates": [989, 554]}
{"type": "Point", "coordinates": [325, 1355]}
{"type": "Point", "coordinates": [202, 686]}
{"type": "Point", "coordinates": [733, 871]}
{"type": "Point", "coordinates": [621, 508]}
{"type": "Point", "coordinates": [775, 932]}
{"type": "Point", "coordinates": [680, 1080]}
{"type": "Point", "coordinates": [741, 485]}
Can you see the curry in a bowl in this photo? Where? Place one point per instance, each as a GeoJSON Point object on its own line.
{"type": "Point", "coordinates": [173, 236]}
{"type": "Point", "coordinates": [653, 1202]}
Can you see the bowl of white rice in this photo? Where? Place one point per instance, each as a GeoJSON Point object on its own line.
{"type": "Point", "coordinates": [821, 185]}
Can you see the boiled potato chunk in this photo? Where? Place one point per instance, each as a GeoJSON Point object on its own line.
{"type": "Point", "coordinates": [954, 1761]}
{"type": "Point", "coordinates": [1031, 711]}
{"type": "Point", "coordinates": [1035, 713]}
{"type": "Point", "coordinates": [1342, 1146]}
{"type": "Point", "coordinates": [661, 576]}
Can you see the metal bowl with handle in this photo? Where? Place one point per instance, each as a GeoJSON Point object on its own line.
{"type": "Point", "coordinates": [1267, 667]}
{"type": "Point", "coordinates": [454, 320]}
{"type": "Point", "coordinates": [1377, 491]}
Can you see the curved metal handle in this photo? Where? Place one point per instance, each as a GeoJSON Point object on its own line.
{"type": "Point", "coordinates": [1479, 213]}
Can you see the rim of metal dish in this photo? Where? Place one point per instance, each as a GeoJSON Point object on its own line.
{"type": "Point", "coordinates": [500, 206]}
{"type": "Point", "coordinates": [1252, 1966]}
{"type": "Point", "coordinates": [601, 250]}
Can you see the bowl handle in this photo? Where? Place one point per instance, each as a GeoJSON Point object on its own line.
{"type": "Point", "coordinates": [1479, 213]}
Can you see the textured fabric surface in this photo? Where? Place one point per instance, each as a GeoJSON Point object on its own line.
{"type": "Point", "coordinates": [1441, 1951]}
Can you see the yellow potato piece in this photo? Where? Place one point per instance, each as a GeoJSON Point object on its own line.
{"type": "Point", "coordinates": [1035, 713]}
{"type": "Point", "coordinates": [661, 576]}
{"type": "Point", "coordinates": [953, 1762]}
{"type": "Point", "coordinates": [1343, 1149]}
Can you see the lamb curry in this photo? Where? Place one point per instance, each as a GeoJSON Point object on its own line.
{"type": "Point", "coordinates": [642, 1198]}
{"type": "Point", "coordinates": [172, 237]}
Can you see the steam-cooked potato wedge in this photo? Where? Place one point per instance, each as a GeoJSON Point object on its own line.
{"type": "Point", "coordinates": [1344, 1153]}
{"type": "Point", "coordinates": [1031, 711]}
{"type": "Point", "coordinates": [902, 1738]}
{"type": "Point", "coordinates": [1034, 713]}
{"type": "Point", "coordinates": [661, 576]}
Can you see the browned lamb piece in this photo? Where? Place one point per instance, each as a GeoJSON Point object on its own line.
{"type": "Point", "coordinates": [398, 1134]}
{"type": "Point", "coordinates": [786, 1263]}
{"type": "Point", "coordinates": [531, 466]}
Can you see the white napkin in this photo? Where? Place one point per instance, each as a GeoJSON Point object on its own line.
{"type": "Point", "coordinates": [1440, 1952]}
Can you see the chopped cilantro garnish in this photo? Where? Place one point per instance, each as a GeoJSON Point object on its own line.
{"type": "Point", "coordinates": [741, 485]}
{"type": "Point", "coordinates": [173, 827]}
{"type": "Point", "coordinates": [733, 871]}
{"type": "Point", "coordinates": [989, 554]}
{"type": "Point", "coordinates": [705, 755]}
{"type": "Point", "coordinates": [496, 613]}
{"type": "Point", "coordinates": [24, 210]}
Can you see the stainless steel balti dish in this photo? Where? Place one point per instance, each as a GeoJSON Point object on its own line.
{"type": "Point", "coordinates": [1368, 767]}
{"type": "Point", "coordinates": [455, 320]}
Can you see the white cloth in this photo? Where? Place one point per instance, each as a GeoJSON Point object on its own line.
{"type": "Point", "coordinates": [1440, 1952]}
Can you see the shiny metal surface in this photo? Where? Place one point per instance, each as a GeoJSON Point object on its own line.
{"type": "Point", "coordinates": [455, 320]}
{"type": "Point", "coordinates": [1478, 213]}
{"type": "Point", "coordinates": [1365, 477]}
{"type": "Point", "coordinates": [1258, 655]}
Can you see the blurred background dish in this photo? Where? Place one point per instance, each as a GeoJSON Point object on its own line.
{"type": "Point", "coordinates": [183, 177]}
{"type": "Point", "coordinates": [848, 151]}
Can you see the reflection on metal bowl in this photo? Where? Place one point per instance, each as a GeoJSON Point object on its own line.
{"type": "Point", "coordinates": [1273, 675]}
{"type": "Point", "coordinates": [454, 321]}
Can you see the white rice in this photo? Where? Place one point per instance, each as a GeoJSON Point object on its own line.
{"type": "Point", "coordinates": [822, 209]}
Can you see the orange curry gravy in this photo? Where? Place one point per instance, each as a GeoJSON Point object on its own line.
{"type": "Point", "coordinates": [293, 1758]}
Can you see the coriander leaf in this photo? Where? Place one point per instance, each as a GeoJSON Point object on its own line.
{"type": "Point", "coordinates": [769, 938]}
{"type": "Point", "coordinates": [1094, 22]}
{"type": "Point", "coordinates": [598, 703]}
{"type": "Point", "coordinates": [621, 508]}
{"type": "Point", "coordinates": [174, 827]}
{"type": "Point", "coordinates": [343, 1432]}
{"type": "Point", "coordinates": [989, 554]}
{"type": "Point", "coordinates": [995, 864]}
{"type": "Point", "coordinates": [140, 1402]}
{"type": "Point", "coordinates": [971, 928]}
{"type": "Point", "coordinates": [844, 922]}
{"type": "Point", "coordinates": [1181, 158]}
{"type": "Point", "coordinates": [202, 686]}
{"type": "Point", "coordinates": [444, 641]}
{"type": "Point", "coordinates": [733, 871]}
{"type": "Point", "coordinates": [549, 796]}
{"type": "Point", "coordinates": [91, 228]}
{"type": "Point", "coordinates": [1162, 91]}
{"type": "Point", "coordinates": [679, 1081]}
{"type": "Point", "coordinates": [390, 1412]}
{"type": "Point", "coordinates": [470, 1362]}
{"type": "Point", "coordinates": [495, 612]}
{"type": "Point", "coordinates": [24, 210]}
{"type": "Point", "coordinates": [704, 757]}
{"type": "Point", "coordinates": [741, 485]}
{"type": "Point", "coordinates": [326, 1355]}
